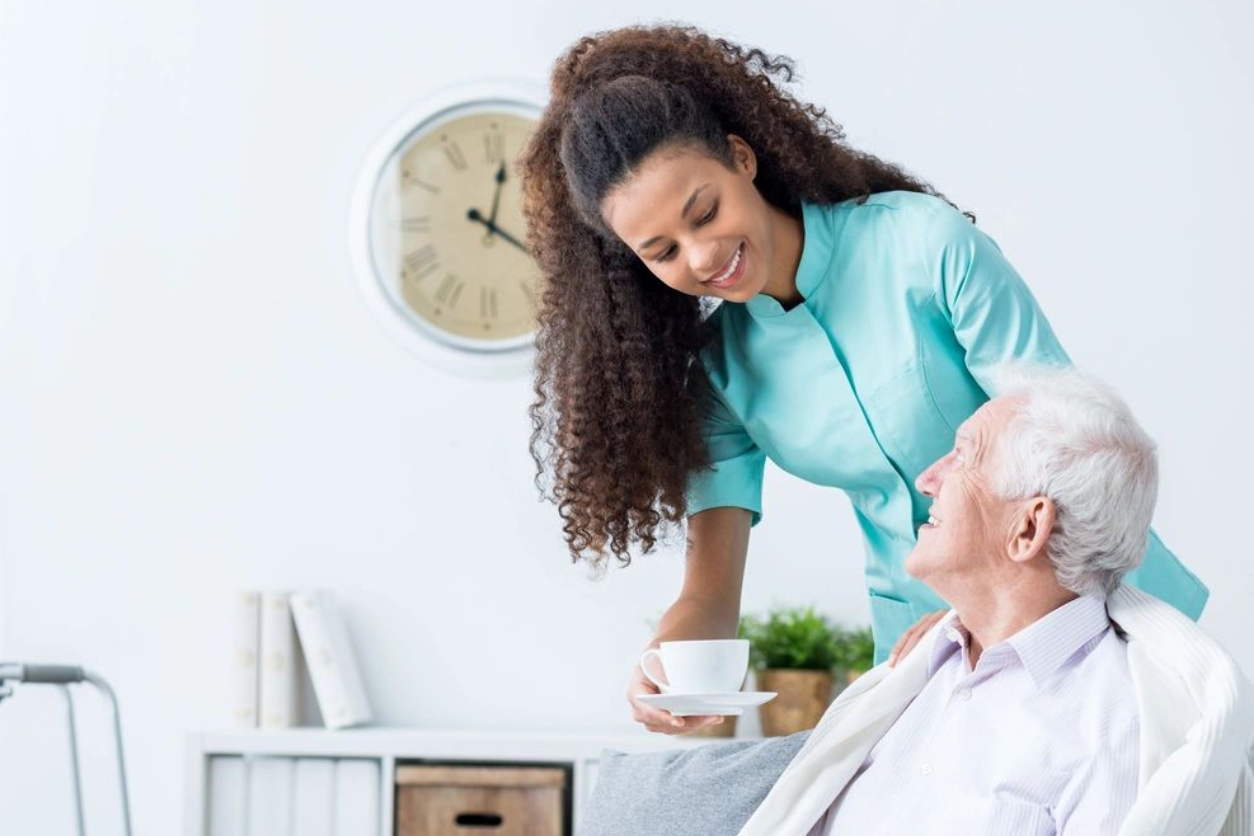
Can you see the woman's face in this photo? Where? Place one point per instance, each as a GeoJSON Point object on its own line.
{"type": "Point", "coordinates": [700, 226]}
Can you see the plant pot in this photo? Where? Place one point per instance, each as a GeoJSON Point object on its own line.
{"type": "Point", "coordinates": [803, 697]}
{"type": "Point", "coordinates": [727, 728]}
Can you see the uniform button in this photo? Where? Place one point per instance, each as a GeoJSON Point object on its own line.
{"type": "Point", "coordinates": [925, 769]}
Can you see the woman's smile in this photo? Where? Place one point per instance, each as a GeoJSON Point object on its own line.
{"type": "Point", "coordinates": [731, 273]}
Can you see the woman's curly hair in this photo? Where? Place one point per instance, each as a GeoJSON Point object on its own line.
{"type": "Point", "coordinates": [620, 387]}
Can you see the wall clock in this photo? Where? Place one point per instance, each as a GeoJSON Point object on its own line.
{"type": "Point", "coordinates": [438, 234]}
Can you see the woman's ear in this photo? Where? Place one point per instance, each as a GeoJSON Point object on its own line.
{"type": "Point", "coordinates": [743, 158]}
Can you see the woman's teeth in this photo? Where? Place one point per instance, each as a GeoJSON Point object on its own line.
{"type": "Point", "coordinates": [731, 268]}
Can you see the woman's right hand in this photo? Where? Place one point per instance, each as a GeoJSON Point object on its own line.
{"type": "Point", "coordinates": [657, 719]}
{"type": "Point", "coordinates": [708, 607]}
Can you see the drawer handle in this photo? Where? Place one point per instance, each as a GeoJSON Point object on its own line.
{"type": "Point", "coordinates": [478, 820]}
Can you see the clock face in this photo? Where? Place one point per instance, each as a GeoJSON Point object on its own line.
{"type": "Point", "coordinates": [447, 231]}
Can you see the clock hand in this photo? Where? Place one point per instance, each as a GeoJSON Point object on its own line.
{"type": "Point", "coordinates": [496, 198]}
{"type": "Point", "coordinates": [510, 238]}
{"type": "Point", "coordinates": [477, 216]}
{"type": "Point", "coordinates": [496, 202]}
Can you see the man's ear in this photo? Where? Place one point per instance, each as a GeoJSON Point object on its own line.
{"type": "Point", "coordinates": [743, 158]}
{"type": "Point", "coordinates": [1030, 534]}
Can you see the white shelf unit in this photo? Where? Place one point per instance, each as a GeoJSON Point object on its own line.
{"type": "Point", "coordinates": [224, 806]}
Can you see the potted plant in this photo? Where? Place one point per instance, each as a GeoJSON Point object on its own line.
{"type": "Point", "coordinates": [855, 652]}
{"type": "Point", "coordinates": [793, 651]}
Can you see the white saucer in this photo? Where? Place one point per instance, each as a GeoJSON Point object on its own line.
{"type": "Point", "coordinates": [702, 705]}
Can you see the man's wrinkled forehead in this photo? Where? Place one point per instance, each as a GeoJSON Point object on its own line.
{"type": "Point", "coordinates": [978, 434]}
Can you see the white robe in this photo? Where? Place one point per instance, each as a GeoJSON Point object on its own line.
{"type": "Point", "coordinates": [1196, 717]}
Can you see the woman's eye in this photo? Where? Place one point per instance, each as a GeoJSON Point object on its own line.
{"type": "Point", "coordinates": [709, 216]}
{"type": "Point", "coordinates": [665, 256]}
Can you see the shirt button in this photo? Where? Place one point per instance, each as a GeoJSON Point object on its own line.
{"type": "Point", "coordinates": [965, 694]}
{"type": "Point", "coordinates": [925, 769]}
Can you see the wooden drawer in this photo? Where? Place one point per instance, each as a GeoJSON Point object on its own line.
{"type": "Point", "coordinates": [480, 800]}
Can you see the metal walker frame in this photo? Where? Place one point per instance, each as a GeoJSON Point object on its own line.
{"type": "Point", "coordinates": [63, 676]}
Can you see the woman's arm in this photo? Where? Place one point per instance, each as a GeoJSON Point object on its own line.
{"type": "Point", "coordinates": [996, 319]}
{"type": "Point", "coordinates": [993, 313]}
{"type": "Point", "coordinates": [718, 543]}
{"type": "Point", "coordinates": [708, 606]}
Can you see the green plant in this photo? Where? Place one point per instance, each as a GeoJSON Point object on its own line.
{"type": "Point", "coordinates": [797, 638]}
{"type": "Point", "coordinates": [855, 649]}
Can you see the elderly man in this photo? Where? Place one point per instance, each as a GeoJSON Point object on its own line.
{"type": "Point", "coordinates": [1050, 700]}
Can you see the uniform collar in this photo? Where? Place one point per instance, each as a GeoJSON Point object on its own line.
{"type": "Point", "coordinates": [816, 258]}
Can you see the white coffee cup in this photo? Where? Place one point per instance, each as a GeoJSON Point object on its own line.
{"type": "Point", "coordinates": [716, 666]}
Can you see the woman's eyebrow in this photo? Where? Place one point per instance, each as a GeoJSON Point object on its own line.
{"type": "Point", "coordinates": [692, 198]}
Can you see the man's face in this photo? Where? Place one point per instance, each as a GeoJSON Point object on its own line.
{"type": "Point", "coordinates": [971, 527]}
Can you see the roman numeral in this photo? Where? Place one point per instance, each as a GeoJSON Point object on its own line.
{"type": "Point", "coordinates": [455, 156]}
{"type": "Point", "coordinates": [494, 146]}
{"type": "Point", "coordinates": [421, 262]}
{"type": "Point", "coordinates": [416, 223]}
{"type": "Point", "coordinates": [528, 291]}
{"type": "Point", "coordinates": [408, 179]}
{"type": "Point", "coordinates": [487, 303]}
{"type": "Point", "coordinates": [450, 290]}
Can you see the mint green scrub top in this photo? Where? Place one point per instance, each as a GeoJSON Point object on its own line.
{"type": "Point", "coordinates": [908, 305]}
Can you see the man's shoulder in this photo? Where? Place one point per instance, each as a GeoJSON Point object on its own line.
{"type": "Point", "coordinates": [1150, 625]}
{"type": "Point", "coordinates": [1105, 681]}
{"type": "Point", "coordinates": [1169, 654]}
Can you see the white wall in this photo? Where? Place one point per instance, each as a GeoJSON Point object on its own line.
{"type": "Point", "coordinates": [194, 399]}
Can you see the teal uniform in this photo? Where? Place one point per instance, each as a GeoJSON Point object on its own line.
{"type": "Point", "coordinates": [908, 305]}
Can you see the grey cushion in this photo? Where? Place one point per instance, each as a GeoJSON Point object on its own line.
{"type": "Point", "coordinates": [708, 790]}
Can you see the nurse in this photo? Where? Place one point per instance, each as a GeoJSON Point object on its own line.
{"type": "Point", "coordinates": [728, 281]}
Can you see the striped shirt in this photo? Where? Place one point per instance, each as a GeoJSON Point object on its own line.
{"type": "Point", "coordinates": [1040, 738]}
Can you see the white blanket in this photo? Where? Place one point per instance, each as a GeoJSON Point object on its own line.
{"type": "Point", "coordinates": [1197, 731]}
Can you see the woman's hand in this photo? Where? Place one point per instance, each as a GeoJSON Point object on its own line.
{"type": "Point", "coordinates": [911, 637]}
{"type": "Point", "coordinates": [708, 606]}
{"type": "Point", "coordinates": [657, 719]}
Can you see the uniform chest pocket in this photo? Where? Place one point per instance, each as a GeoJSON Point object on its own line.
{"type": "Point", "coordinates": [966, 815]}
{"type": "Point", "coordinates": [911, 427]}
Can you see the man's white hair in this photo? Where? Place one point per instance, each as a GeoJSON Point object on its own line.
{"type": "Point", "coordinates": [1074, 440]}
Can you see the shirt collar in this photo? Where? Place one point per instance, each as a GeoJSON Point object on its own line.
{"type": "Point", "coordinates": [816, 258]}
{"type": "Point", "coordinates": [1042, 647]}
{"type": "Point", "coordinates": [1045, 644]}
{"type": "Point", "coordinates": [951, 637]}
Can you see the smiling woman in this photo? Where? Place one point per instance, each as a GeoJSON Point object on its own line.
{"type": "Point", "coordinates": [656, 102]}
{"type": "Point", "coordinates": [704, 227]}
{"type": "Point", "coordinates": [857, 316]}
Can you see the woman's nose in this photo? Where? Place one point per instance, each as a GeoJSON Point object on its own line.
{"type": "Point", "coordinates": [704, 260]}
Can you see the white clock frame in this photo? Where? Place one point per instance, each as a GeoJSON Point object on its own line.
{"type": "Point", "coordinates": [514, 357]}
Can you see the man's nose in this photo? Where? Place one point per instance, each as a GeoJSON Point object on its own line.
{"type": "Point", "coordinates": [929, 480]}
